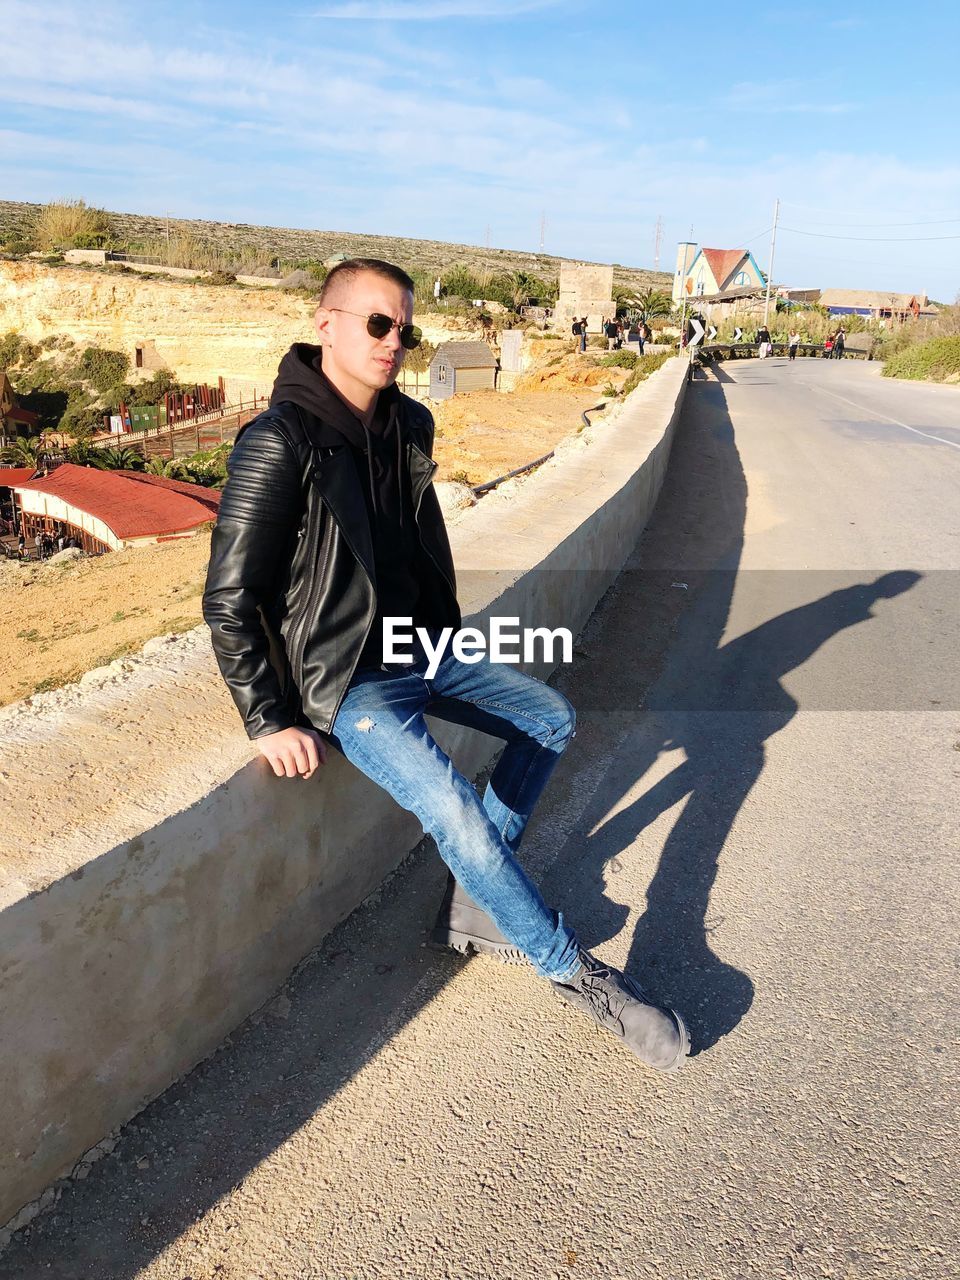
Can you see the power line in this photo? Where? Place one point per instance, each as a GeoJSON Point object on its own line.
{"type": "Point", "coordinates": [930, 222]}
{"type": "Point", "coordinates": [765, 232]}
{"type": "Point", "coordinates": [821, 235]}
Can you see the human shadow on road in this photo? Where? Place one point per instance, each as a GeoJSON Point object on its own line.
{"type": "Point", "coordinates": [716, 702]}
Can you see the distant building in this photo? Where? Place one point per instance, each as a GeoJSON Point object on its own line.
{"type": "Point", "coordinates": [109, 510]}
{"type": "Point", "coordinates": [586, 289]}
{"type": "Point", "coordinates": [704, 273]}
{"type": "Point", "coordinates": [14, 421]}
{"type": "Point", "coordinates": [462, 366]}
{"type": "Point", "coordinates": [876, 304]}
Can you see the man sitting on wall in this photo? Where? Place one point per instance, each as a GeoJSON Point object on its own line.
{"type": "Point", "coordinates": [328, 525]}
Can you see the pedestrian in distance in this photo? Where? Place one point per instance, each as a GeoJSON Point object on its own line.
{"type": "Point", "coordinates": [793, 345]}
{"type": "Point", "coordinates": [583, 334]}
{"type": "Point", "coordinates": [839, 342]}
{"type": "Point", "coordinates": [764, 344]}
{"type": "Point", "coordinates": [828, 346]}
{"type": "Point", "coordinates": [328, 526]}
{"type": "Point", "coordinates": [610, 333]}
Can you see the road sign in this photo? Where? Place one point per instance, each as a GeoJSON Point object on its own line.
{"type": "Point", "coordinates": [712, 332]}
{"type": "Point", "coordinates": [737, 334]}
{"type": "Point", "coordinates": [696, 332]}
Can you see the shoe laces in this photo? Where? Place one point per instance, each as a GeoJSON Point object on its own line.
{"type": "Point", "coordinates": [593, 984]}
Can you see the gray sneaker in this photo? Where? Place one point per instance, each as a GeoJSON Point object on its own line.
{"type": "Point", "coordinates": [462, 926]}
{"type": "Point", "coordinates": [657, 1036]}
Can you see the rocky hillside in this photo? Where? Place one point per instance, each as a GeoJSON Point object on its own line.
{"type": "Point", "coordinates": [291, 244]}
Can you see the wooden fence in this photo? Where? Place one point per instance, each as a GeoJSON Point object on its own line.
{"type": "Point", "coordinates": [181, 439]}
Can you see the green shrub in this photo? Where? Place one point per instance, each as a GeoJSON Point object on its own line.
{"type": "Point", "coordinates": [117, 458]}
{"type": "Point", "coordinates": [150, 392]}
{"type": "Point", "coordinates": [16, 351]}
{"type": "Point", "coordinates": [104, 368]}
{"type": "Point", "coordinates": [418, 360]}
{"type": "Point", "coordinates": [91, 240]}
{"type": "Point", "coordinates": [79, 420]}
{"type": "Point", "coordinates": [936, 360]}
{"type": "Point", "coordinates": [620, 360]}
{"type": "Point", "coordinates": [459, 282]}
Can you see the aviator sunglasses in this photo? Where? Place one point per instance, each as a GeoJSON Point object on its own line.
{"type": "Point", "coordinates": [379, 326]}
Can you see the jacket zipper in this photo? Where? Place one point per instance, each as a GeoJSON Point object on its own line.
{"type": "Point", "coordinates": [416, 515]}
{"type": "Point", "coordinates": [297, 649]}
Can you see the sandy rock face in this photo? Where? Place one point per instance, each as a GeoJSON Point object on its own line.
{"type": "Point", "coordinates": [201, 332]}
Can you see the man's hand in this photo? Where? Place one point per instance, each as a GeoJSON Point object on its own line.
{"type": "Point", "coordinates": [293, 752]}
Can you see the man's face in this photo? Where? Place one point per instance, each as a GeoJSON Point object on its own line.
{"type": "Point", "coordinates": [357, 364]}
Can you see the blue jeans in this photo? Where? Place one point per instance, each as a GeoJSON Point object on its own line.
{"type": "Point", "coordinates": [380, 728]}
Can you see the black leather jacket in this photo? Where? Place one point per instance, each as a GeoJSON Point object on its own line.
{"type": "Point", "coordinates": [291, 587]}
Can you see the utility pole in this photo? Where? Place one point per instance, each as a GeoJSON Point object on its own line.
{"type": "Point", "coordinates": [658, 239]}
{"type": "Point", "coordinates": [543, 229]}
{"type": "Point", "coordinates": [773, 249]}
{"type": "Point", "coordinates": [683, 285]}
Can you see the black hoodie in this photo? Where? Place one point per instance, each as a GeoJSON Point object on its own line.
{"type": "Point", "coordinates": [378, 452]}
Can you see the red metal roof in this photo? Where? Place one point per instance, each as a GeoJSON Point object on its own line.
{"type": "Point", "coordinates": [141, 508]}
{"type": "Point", "coordinates": [200, 493]}
{"type": "Point", "coordinates": [10, 476]}
{"type": "Point", "coordinates": [723, 262]}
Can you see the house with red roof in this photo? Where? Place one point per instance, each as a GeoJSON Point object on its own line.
{"type": "Point", "coordinates": [14, 421]}
{"type": "Point", "coordinates": [109, 510]}
{"type": "Point", "coordinates": [704, 273]}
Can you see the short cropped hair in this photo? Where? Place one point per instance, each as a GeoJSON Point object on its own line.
{"type": "Point", "coordinates": [344, 273]}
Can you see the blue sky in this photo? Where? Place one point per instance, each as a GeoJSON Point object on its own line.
{"type": "Point", "coordinates": [443, 118]}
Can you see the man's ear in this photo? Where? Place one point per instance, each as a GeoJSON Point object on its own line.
{"type": "Point", "coordinates": [322, 319]}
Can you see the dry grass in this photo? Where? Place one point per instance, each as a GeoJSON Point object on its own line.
{"type": "Point", "coordinates": [60, 222]}
{"type": "Point", "coordinates": [249, 244]}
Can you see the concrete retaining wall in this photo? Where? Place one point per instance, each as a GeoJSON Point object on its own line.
{"type": "Point", "coordinates": [157, 883]}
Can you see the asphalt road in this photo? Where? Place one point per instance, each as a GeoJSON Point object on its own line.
{"type": "Point", "coordinates": [760, 816]}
